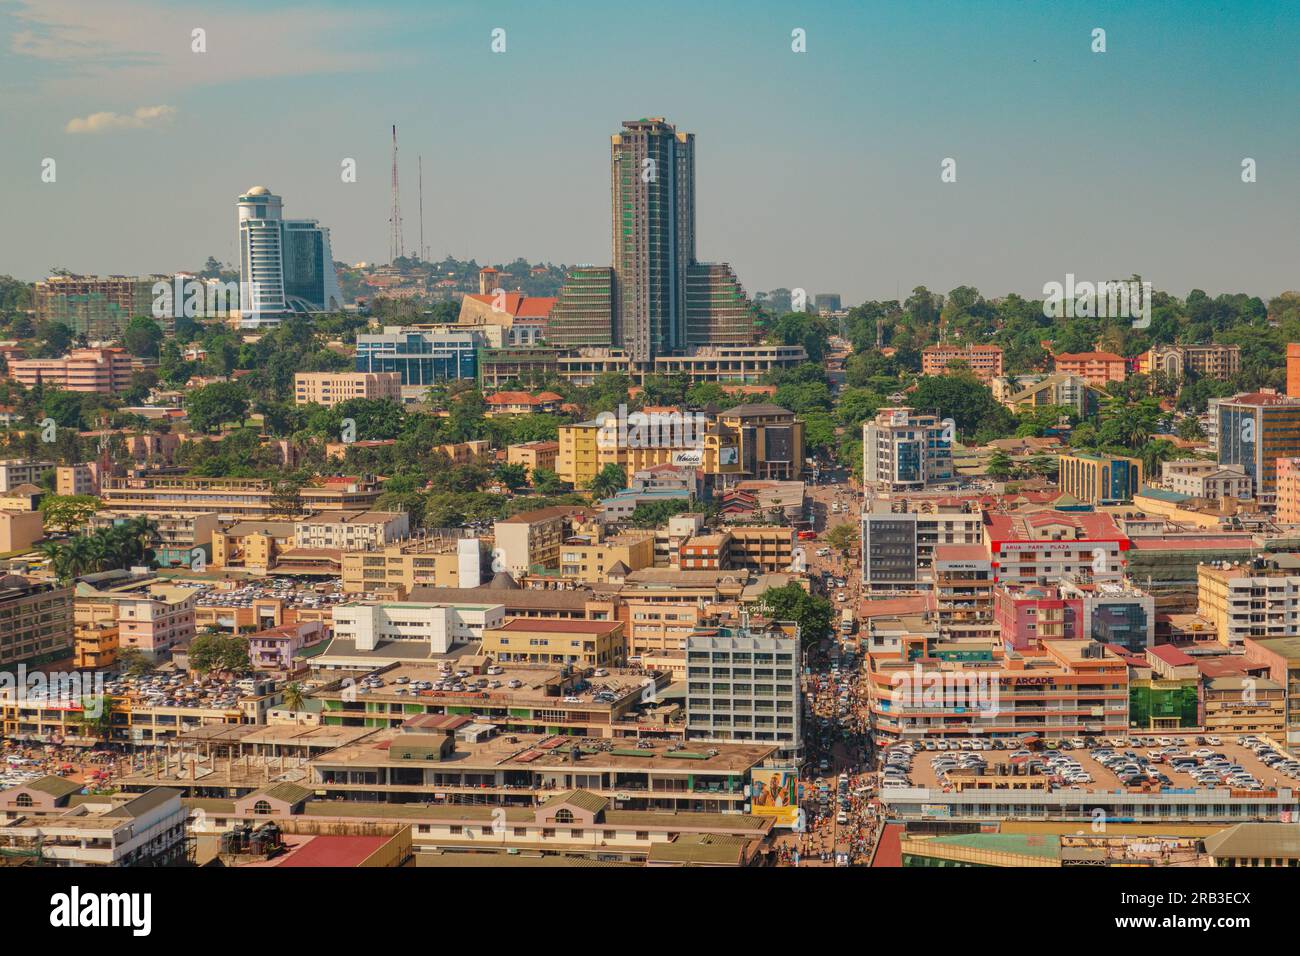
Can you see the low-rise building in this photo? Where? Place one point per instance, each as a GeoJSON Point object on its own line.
{"type": "Point", "coordinates": [333, 388]}
{"type": "Point", "coordinates": [581, 643]}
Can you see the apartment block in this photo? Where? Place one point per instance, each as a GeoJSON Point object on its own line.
{"type": "Point", "coordinates": [1219, 362]}
{"type": "Point", "coordinates": [98, 307]}
{"type": "Point", "coordinates": [103, 371]}
{"type": "Point", "coordinates": [350, 531]}
{"type": "Point", "coordinates": [151, 616]}
{"type": "Point", "coordinates": [1096, 368]}
{"type": "Point", "coordinates": [77, 479]}
{"type": "Point", "coordinates": [533, 539]}
{"type": "Point", "coordinates": [597, 559]}
{"type": "Point", "coordinates": [1256, 600]}
{"type": "Point", "coordinates": [36, 625]}
{"type": "Point", "coordinates": [331, 388]}
{"type": "Point", "coordinates": [20, 471]}
{"type": "Point", "coordinates": [533, 455]}
{"type": "Point", "coordinates": [984, 361]}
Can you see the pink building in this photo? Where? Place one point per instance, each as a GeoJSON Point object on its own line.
{"type": "Point", "coordinates": [273, 648]}
{"type": "Point", "coordinates": [105, 371]}
{"type": "Point", "coordinates": [1027, 615]}
{"type": "Point", "coordinates": [1288, 490]}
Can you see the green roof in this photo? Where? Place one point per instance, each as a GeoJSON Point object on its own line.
{"type": "Point", "coordinates": [1047, 845]}
{"type": "Point", "coordinates": [585, 799]}
{"type": "Point", "coordinates": [702, 848]}
{"type": "Point", "coordinates": [54, 786]}
{"type": "Point", "coordinates": [288, 792]}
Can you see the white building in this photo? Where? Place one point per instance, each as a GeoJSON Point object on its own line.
{"type": "Point", "coordinates": [440, 626]}
{"type": "Point", "coordinates": [351, 530]}
{"type": "Point", "coordinates": [285, 265]}
{"type": "Point", "coordinates": [903, 450]}
{"type": "Point", "coordinates": [21, 471]}
{"type": "Point", "coordinates": [743, 687]}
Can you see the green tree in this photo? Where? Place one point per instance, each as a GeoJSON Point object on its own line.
{"type": "Point", "coordinates": [790, 602]}
{"type": "Point", "coordinates": [213, 405]}
{"type": "Point", "coordinates": [67, 512]}
{"type": "Point", "coordinates": [219, 652]}
{"type": "Point", "coordinates": [612, 478]}
{"type": "Point", "coordinates": [547, 482]}
{"type": "Point", "coordinates": [142, 337]}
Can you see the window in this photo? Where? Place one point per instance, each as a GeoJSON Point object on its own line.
{"type": "Point", "coordinates": [24, 800]}
{"type": "Point", "coordinates": [262, 808]}
{"type": "Point", "coordinates": [564, 815]}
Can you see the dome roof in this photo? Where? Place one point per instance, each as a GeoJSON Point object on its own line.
{"type": "Point", "coordinates": [258, 191]}
{"type": "Point", "coordinates": [502, 580]}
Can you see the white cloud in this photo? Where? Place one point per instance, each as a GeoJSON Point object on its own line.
{"type": "Point", "coordinates": [146, 117]}
{"type": "Point", "coordinates": [128, 48]}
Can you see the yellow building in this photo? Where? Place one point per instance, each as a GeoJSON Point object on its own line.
{"type": "Point", "coordinates": [19, 530]}
{"type": "Point", "coordinates": [1245, 705]}
{"type": "Point", "coordinates": [422, 561]}
{"type": "Point", "coordinates": [533, 455]}
{"type": "Point", "coordinates": [590, 561]}
{"type": "Point", "coordinates": [582, 643]}
{"type": "Point", "coordinates": [253, 545]}
{"type": "Point", "coordinates": [532, 539]}
{"type": "Point", "coordinates": [96, 645]}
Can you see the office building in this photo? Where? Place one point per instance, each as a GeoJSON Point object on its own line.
{"type": "Point", "coordinates": [900, 539]}
{"type": "Point", "coordinates": [656, 299]}
{"type": "Point", "coordinates": [425, 627]}
{"type": "Point", "coordinates": [77, 479]}
{"type": "Point", "coordinates": [285, 265]}
{"type": "Point", "coordinates": [1044, 547]}
{"type": "Point", "coordinates": [905, 450]}
{"type": "Point", "coordinates": [1288, 490]}
{"type": "Point", "coordinates": [331, 388]}
{"type": "Point", "coordinates": [421, 358]}
{"type": "Point", "coordinates": [584, 644]}
{"type": "Point", "coordinates": [1254, 430]}
{"type": "Point", "coordinates": [743, 687]}
{"type": "Point", "coordinates": [1100, 480]}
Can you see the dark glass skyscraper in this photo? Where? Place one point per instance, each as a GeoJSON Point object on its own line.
{"type": "Point", "coordinates": [652, 169]}
{"type": "Point", "coordinates": [656, 299]}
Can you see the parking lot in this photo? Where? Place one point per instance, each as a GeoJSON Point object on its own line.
{"type": "Point", "coordinates": [1166, 761]}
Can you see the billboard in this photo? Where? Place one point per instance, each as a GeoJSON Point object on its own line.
{"type": "Point", "coordinates": [689, 457]}
{"type": "Point", "coordinates": [774, 792]}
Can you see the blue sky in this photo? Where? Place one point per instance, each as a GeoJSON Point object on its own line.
{"type": "Point", "coordinates": [818, 170]}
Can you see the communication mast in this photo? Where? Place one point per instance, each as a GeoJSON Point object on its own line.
{"type": "Point", "coordinates": [396, 246]}
{"type": "Point", "coordinates": [419, 165]}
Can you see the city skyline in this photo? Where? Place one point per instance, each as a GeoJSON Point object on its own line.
{"type": "Point", "coordinates": [822, 170]}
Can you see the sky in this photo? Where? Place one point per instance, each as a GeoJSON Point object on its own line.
{"type": "Point", "coordinates": [818, 170]}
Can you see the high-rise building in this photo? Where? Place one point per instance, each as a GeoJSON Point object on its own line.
{"type": "Point", "coordinates": [652, 174]}
{"type": "Point", "coordinates": [285, 265]}
{"type": "Point", "coordinates": [98, 307]}
{"type": "Point", "coordinates": [1254, 430]}
{"type": "Point", "coordinates": [656, 299]}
